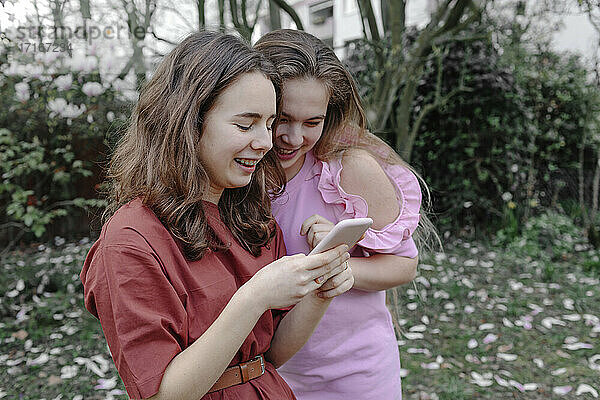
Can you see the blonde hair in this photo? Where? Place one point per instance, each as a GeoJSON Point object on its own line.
{"type": "Point", "coordinates": [300, 55]}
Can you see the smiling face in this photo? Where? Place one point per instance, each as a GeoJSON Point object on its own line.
{"type": "Point", "coordinates": [236, 133]}
{"type": "Point", "coordinates": [301, 125]}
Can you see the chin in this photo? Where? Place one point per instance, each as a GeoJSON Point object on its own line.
{"type": "Point", "coordinates": [289, 163]}
{"type": "Point", "coordinates": [242, 182]}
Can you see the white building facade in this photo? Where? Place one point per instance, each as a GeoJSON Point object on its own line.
{"type": "Point", "coordinates": [337, 22]}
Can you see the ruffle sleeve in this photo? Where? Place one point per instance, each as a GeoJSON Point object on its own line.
{"type": "Point", "coordinates": [396, 237]}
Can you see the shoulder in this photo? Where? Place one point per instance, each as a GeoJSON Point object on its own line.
{"type": "Point", "coordinates": [358, 165]}
{"type": "Point", "coordinates": [135, 225]}
{"type": "Point", "coordinates": [362, 175]}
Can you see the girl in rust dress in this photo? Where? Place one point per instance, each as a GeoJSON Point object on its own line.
{"type": "Point", "coordinates": [189, 278]}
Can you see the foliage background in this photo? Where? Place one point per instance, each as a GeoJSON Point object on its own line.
{"type": "Point", "coordinates": [507, 145]}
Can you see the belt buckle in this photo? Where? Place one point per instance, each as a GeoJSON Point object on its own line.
{"type": "Point", "coordinates": [262, 363]}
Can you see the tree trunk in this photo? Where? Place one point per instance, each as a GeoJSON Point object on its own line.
{"type": "Point", "coordinates": [404, 142]}
{"type": "Point", "coordinates": [592, 231]}
{"type": "Point", "coordinates": [274, 16]}
{"type": "Point", "coordinates": [581, 177]}
{"type": "Point", "coordinates": [221, 15]}
{"type": "Point", "coordinates": [201, 15]}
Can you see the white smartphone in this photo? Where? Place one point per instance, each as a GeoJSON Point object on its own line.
{"type": "Point", "coordinates": [347, 231]}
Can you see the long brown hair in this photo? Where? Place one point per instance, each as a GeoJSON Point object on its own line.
{"type": "Point", "coordinates": [157, 157]}
{"type": "Point", "coordinates": [298, 54]}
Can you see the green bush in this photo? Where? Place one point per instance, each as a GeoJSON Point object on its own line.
{"type": "Point", "coordinates": [550, 238]}
{"type": "Point", "coordinates": [52, 145]}
{"type": "Point", "coordinates": [507, 148]}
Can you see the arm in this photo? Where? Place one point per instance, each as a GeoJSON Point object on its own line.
{"type": "Point", "coordinates": [382, 271]}
{"type": "Point", "coordinates": [280, 284]}
{"type": "Point", "coordinates": [193, 371]}
{"type": "Point", "coordinates": [299, 323]}
{"type": "Point", "coordinates": [378, 272]}
{"type": "Point", "coordinates": [295, 328]}
{"type": "Point", "coordinates": [363, 176]}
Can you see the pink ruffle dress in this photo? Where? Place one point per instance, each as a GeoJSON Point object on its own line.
{"type": "Point", "coordinates": [353, 353]}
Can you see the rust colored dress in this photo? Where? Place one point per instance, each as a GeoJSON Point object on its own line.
{"type": "Point", "coordinates": [152, 303]}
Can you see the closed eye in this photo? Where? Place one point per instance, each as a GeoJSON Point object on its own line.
{"type": "Point", "coordinates": [312, 124]}
{"type": "Point", "coordinates": [243, 128]}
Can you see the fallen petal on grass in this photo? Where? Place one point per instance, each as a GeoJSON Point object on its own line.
{"type": "Point", "coordinates": [432, 365]}
{"type": "Point", "coordinates": [500, 381]}
{"type": "Point", "coordinates": [562, 390]}
{"type": "Point", "coordinates": [486, 326]}
{"type": "Point", "coordinates": [106, 384]}
{"type": "Point", "coordinates": [594, 362]}
{"type": "Point", "coordinates": [530, 386]}
{"type": "Point", "coordinates": [480, 380]}
{"type": "Point", "coordinates": [418, 328]}
{"type": "Point", "coordinates": [68, 371]}
{"type": "Point", "coordinates": [549, 321]}
{"type": "Point", "coordinates": [585, 388]}
{"type": "Point", "coordinates": [578, 346]}
{"type": "Point", "coordinates": [568, 304]}
{"type": "Point", "coordinates": [42, 359]}
{"type": "Point", "coordinates": [490, 338]}
{"type": "Point", "coordinates": [507, 357]}
{"type": "Point", "coordinates": [517, 385]}
{"type": "Point", "coordinates": [413, 335]}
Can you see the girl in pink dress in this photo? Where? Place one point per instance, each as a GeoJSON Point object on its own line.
{"type": "Point", "coordinates": [336, 170]}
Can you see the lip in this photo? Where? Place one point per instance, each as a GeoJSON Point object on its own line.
{"type": "Point", "coordinates": [246, 168]}
{"type": "Point", "coordinates": [285, 157]}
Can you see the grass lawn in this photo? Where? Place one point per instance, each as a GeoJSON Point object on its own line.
{"type": "Point", "coordinates": [479, 323]}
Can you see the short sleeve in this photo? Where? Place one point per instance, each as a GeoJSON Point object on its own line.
{"type": "Point", "coordinates": [280, 251]}
{"type": "Point", "coordinates": [141, 315]}
{"type": "Point", "coordinates": [396, 237]}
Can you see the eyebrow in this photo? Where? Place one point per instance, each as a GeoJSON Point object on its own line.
{"type": "Point", "coordinates": [252, 115]}
{"type": "Point", "coordinates": [308, 119]}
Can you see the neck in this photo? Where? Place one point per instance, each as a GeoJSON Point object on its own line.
{"type": "Point", "coordinates": [212, 195]}
{"type": "Point", "coordinates": [294, 169]}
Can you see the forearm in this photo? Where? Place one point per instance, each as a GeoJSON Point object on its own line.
{"type": "Point", "coordinates": [193, 371]}
{"type": "Point", "coordinates": [295, 328]}
{"type": "Point", "coordinates": [382, 271]}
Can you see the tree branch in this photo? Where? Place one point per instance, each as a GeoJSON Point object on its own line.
{"type": "Point", "coordinates": [256, 10]}
{"type": "Point", "coordinates": [370, 16]}
{"type": "Point", "coordinates": [291, 12]}
{"type": "Point", "coordinates": [162, 39]}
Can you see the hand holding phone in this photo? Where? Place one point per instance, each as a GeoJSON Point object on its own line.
{"type": "Point", "coordinates": [348, 231]}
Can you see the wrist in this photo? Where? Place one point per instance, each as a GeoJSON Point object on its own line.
{"type": "Point", "coordinates": [251, 298]}
{"type": "Point", "coordinates": [316, 301]}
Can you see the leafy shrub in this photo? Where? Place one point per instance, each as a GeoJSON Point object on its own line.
{"type": "Point", "coordinates": [509, 146]}
{"type": "Point", "coordinates": [550, 238]}
{"type": "Point", "coordinates": [53, 143]}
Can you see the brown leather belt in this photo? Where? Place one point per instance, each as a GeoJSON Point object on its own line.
{"type": "Point", "coordinates": [240, 373]}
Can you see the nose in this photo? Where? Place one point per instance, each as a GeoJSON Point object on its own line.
{"type": "Point", "coordinates": [262, 141]}
{"type": "Point", "coordinates": [290, 134]}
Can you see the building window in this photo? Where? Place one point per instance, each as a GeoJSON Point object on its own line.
{"type": "Point", "coordinates": [320, 12]}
